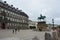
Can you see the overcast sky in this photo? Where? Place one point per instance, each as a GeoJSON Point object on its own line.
{"type": "Point", "coordinates": [33, 8]}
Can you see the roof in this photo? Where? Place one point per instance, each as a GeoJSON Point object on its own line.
{"type": "Point", "coordinates": [13, 9]}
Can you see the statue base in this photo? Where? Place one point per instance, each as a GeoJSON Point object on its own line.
{"type": "Point", "coordinates": [42, 26]}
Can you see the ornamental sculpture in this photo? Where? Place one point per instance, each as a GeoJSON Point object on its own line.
{"type": "Point", "coordinates": [41, 17]}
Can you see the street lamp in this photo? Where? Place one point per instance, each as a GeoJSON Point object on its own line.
{"type": "Point", "coordinates": [53, 22]}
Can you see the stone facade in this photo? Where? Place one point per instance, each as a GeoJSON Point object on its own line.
{"type": "Point", "coordinates": [11, 17]}
{"type": "Point", "coordinates": [32, 24]}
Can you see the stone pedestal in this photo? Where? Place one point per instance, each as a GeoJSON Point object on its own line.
{"type": "Point", "coordinates": [54, 36]}
{"type": "Point", "coordinates": [41, 26]}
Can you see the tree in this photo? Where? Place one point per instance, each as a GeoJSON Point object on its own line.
{"type": "Point", "coordinates": [58, 26]}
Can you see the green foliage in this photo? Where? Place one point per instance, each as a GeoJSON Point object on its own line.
{"type": "Point", "coordinates": [58, 26]}
{"type": "Point", "coordinates": [43, 25]}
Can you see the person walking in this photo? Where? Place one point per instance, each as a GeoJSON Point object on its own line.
{"type": "Point", "coordinates": [15, 30]}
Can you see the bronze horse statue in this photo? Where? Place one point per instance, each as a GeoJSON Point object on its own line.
{"type": "Point", "coordinates": [41, 17]}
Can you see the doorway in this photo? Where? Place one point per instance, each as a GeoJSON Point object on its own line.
{"type": "Point", "coordinates": [3, 25]}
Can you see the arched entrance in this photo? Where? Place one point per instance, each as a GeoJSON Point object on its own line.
{"type": "Point", "coordinates": [3, 25]}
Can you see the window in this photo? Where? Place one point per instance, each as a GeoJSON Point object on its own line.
{"type": "Point", "coordinates": [2, 10]}
{"type": "Point", "coordinates": [8, 18]}
{"type": "Point", "coordinates": [13, 19]}
{"type": "Point", "coordinates": [6, 11]}
{"type": "Point", "coordinates": [10, 24]}
{"type": "Point", "coordinates": [0, 17]}
{"type": "Point", "coordinates": [3, 17]}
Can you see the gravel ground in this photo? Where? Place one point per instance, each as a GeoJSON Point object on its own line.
{"type": "Point", "coordinates": [21, 35]}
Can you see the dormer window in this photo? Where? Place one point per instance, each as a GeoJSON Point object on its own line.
{"type": "Point", "coordinates": [5, 2]}
{"type": "Point", "coordinates": [11, 5]}
{"type": "Point", "coordinates": [17, 8]}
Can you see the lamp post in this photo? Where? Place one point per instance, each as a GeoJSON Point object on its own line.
{"type": "Point", "coordinates": [53, 22]}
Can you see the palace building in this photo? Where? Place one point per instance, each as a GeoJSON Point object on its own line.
{"type": "Point", "coordinates": [11, 17]}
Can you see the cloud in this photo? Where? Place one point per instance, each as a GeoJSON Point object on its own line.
{"type": "Point", "coordinates": [49, 8]}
